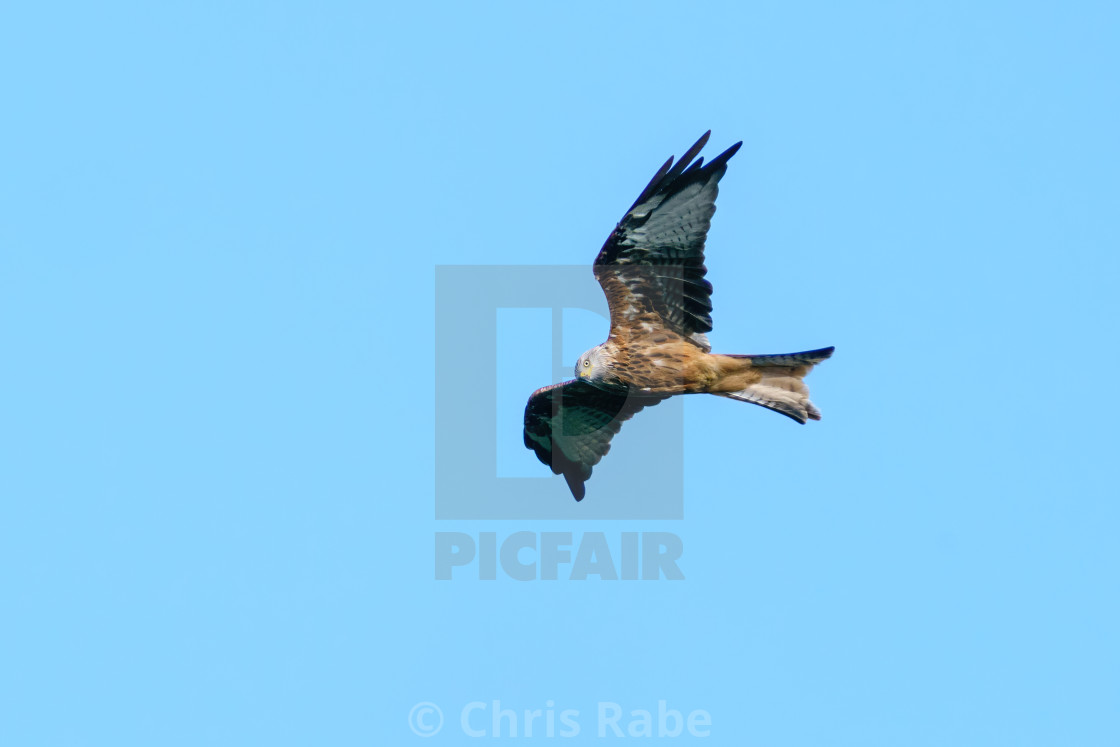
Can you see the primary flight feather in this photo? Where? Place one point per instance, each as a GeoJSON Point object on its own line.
{"type": "Point", "coordinates": [652, 271]}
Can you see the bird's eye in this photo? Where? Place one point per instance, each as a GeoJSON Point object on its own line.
{"type": "Point", "coordinates": [586, 362]}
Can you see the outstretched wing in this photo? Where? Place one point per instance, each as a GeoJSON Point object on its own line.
{"type": "Point", "coordinates": [570, 426]}
{"type": "Point", "coordinates": [653, 262]}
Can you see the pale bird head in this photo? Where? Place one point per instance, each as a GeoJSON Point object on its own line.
{"type": "Point", "coordinates": [593, 365]}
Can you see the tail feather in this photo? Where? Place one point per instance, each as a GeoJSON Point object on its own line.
{"type": "Point", "coordinates": [806, 358]}
{"type": "Point", "coordinates": [781, 387]}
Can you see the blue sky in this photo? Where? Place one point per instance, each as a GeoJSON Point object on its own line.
{"type": "Point", "coordinates": [220, 231]}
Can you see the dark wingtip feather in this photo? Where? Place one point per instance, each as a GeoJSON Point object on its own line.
{"type": "Point", "coordinates": [575, 484]}
{"type": "Point", "coordinates": [697, 164]}
{"type": "Point", "coordinates": [653, 183]}
{"type": "Point", "coordinates": [669, 172]}
{"type": "Point", "coordinates": [724, 157]}
{"type": "Point", "coordinates": [686, 159]}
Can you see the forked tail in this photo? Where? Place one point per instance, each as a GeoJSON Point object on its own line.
{"type": "Point", "coordinates": [778, 383]}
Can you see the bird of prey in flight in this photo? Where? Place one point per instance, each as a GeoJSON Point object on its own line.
{"type": "Point", "coordinates": [652, 272]}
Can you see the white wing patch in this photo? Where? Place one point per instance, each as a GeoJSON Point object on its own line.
{"type": "Point", "coordinates": [680, 221]}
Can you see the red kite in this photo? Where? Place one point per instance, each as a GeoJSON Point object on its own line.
{"type": "Point", "coordinates": [652, 272]}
